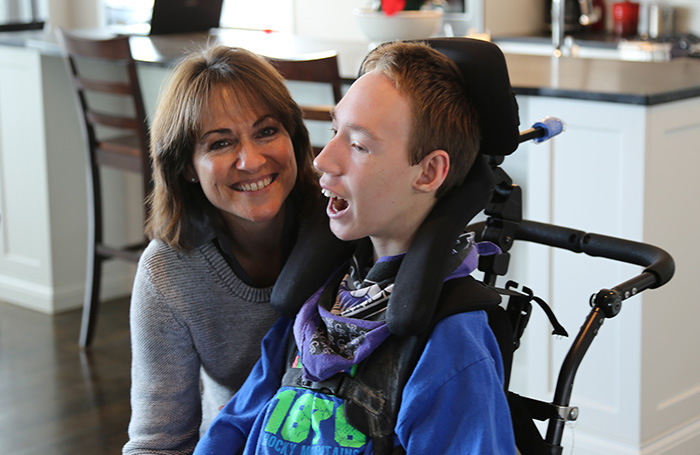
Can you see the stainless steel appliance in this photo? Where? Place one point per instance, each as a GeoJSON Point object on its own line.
{"type": "Point", "coordinates": [17, 15]}
{"type": "Point", "coordinates": [463, 17]}
{"type": "Point", "coordinates": [492, 17]}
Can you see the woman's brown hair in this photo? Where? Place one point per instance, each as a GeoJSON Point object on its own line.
{"type": "Point", "coordinates": [177, 205]}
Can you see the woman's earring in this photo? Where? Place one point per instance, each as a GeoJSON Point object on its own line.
{"type": "Point", "coordinates": [193, 179]}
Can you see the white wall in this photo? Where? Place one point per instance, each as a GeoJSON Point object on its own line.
{"type": "Point", "coordinates": [523, 17]}
{"type": "Point", "coordinates": [334, 19]}
{"type": "Point", "coordinates": [324, 18]}
{"type": "Point", "coordinates": [687, 13]}
{"type": "Point", "coordinates": [74, 13]}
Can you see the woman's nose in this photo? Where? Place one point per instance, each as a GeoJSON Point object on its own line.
{"type": "Point", "coordinates": [250, 158]}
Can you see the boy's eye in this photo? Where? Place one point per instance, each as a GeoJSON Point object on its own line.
{"type": "Point", "coordinates": [359, 147]}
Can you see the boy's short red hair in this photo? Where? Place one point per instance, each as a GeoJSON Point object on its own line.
{"type": "Point", "coordinates": [443, 115]}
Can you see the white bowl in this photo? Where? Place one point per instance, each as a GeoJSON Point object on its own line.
{"type": "Point", "coordinates": [404, 25]}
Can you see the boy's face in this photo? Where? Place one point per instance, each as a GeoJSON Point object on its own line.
{"type": "Point", "coordinates": [366, 172]}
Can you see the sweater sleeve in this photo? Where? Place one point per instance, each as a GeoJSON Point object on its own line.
{"type": "Point", "coordinates": [231, 428]}
{"type": "Point", "coordinates": [454, 402]}
{"type": "Point", "coordinates": [165, 392]}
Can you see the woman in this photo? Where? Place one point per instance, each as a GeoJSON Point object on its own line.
{"type": "Point", "coordinates": [233, 178]}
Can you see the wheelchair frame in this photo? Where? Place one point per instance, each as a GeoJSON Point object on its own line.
{"type": "Point", "coordinates": [503, 226]}
{"type": "Point", "coordinates": [419, 281]}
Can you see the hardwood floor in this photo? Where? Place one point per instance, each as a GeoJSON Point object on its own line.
{"type": "Point", "coordinates": [56, 399]}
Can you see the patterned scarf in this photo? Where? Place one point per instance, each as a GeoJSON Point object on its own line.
{"type": "Point", "coordinates": [334, 340]}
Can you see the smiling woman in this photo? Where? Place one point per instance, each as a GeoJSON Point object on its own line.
{"type": "Point", "coordinates": [233, 182]}
{"type": "Point", "coordinates": [244, 162]}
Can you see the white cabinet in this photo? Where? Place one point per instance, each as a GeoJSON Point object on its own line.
{"type": "Point", "coordinates": [43, 229]}
{"type": "Point", "coordinates": [24, 237]}
{"type": "Point", "coordinates": [626, 171]}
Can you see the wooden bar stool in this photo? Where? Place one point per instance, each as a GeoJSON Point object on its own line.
{"type": "Point", "coordinates": [115, 131]}
{"type": "Point", "coordinates": [321, 68]}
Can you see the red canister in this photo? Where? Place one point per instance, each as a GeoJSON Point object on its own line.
{"type": "Point", "coordinates": [625, 18]}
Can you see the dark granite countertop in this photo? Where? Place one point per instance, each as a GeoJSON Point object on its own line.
{"type": "Point", "coordinates": [642, 83]}
{"type": "Point", "coordinates": [627, 82]}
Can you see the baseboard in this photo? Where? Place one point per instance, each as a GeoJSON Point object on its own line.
{"type": "Point", "coordinates": [26, 294]}
{"type": "Point", "coordinates": [682, 440]}
{"type": "Point", "coordinates": [67, 297]}
{"type": "Point", "coordinates": [575, 441]}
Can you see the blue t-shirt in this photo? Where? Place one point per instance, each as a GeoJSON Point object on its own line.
{"type": "Point", "coordinates": [453, 403]}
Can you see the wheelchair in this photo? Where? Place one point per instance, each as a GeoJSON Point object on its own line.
{"type": "Point", "coordinates": [488, 190]}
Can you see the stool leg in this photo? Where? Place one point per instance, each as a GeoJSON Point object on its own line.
{"type": "Point", "coordinates": [92, 300]}
{"type": "Point", "coordinates": [93, 277]}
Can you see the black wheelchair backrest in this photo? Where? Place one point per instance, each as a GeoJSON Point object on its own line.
{"type": "Point", "coordinates": [418, 283]}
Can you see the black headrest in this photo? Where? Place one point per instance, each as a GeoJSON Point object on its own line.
{"type": "Point", "coordinates": [419, 281]}
{"type": "Point", "coordinates": [318, 254]}
{"type": "Point", "coordinates": [485, 75]}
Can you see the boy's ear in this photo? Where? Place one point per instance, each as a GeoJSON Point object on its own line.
{"type": "Point", "coordinates": [434, 167]}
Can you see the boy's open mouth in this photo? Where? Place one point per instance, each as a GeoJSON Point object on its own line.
{"type": "Point", "coordinates": [254, 186]}
{"type": "Point", "coordinates": [337, 204]}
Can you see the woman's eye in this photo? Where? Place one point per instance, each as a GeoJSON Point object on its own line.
{"type": "Point", "coordinates": [217, 145]}
{"type": "Point", "coordinates": [268, 131]}
{"type": "Point", "coordinates": [333, 132]}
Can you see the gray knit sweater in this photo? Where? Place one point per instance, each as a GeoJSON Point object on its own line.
{"type": "Point", "coordinates": [195, 335]}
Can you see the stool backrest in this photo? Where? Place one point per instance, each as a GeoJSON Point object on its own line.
{"type": "Point", "coordinates": [315, 68]}
{"type": "Point", "coordinates": [113, 121]}
{"type": "Point", "coordinates": [112, 110]}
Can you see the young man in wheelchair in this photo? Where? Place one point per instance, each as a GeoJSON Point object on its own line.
{"type": "Point", "coordinates": [405, 135]}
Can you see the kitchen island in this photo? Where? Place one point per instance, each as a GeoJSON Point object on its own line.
{"type": "Point", "coordinates": [625, 167]}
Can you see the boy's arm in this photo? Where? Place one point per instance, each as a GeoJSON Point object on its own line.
{"type": "Point", "coordinates": [454, 401]}
{"type": "Point", "coordinates": [230, 429]}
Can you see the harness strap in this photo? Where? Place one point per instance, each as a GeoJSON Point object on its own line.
{"type": "Point", "coordinates": [523, 411]}
{"type": "Point", "coordinates": [331, 386]}
{"type": "Point", "coordinates": [373, 395]}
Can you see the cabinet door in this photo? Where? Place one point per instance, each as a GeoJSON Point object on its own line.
{"type": "Point", "coordinates": [589, 178]}
{"type": "Point", "coordinates": [671, 390]}
{"type": "Point", "coordinates": [43, 208]}
{"type": "Point", "coordinates": [25, 265]}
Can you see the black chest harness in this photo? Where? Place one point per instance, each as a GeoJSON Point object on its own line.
{"type": "Point", "coordinates": [373, 395]}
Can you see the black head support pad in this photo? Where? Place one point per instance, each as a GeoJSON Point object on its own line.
{"type": "Point", "coordinates": [318, 254]}
{"type": "Point", "coordinates": [419, 281]}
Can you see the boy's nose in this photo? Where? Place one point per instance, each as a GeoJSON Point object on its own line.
{"type": "Point", "coordinates": [324, 161]}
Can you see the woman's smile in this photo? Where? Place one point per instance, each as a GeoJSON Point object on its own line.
{"type": "Point", "coordinates": [256, 185]}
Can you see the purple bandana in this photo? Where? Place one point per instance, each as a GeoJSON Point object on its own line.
{"type": "Point", "coordinates": [335, 340]}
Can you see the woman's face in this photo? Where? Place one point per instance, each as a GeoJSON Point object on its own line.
{"type": "Point", "coordinates": [244, 161]}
